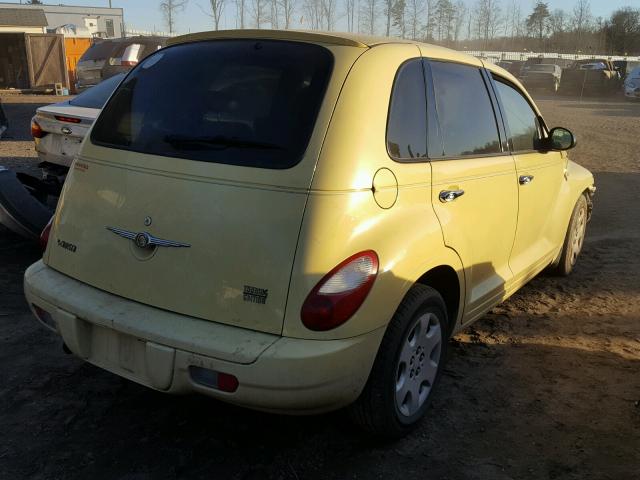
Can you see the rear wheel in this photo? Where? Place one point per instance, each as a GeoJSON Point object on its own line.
{"type": "Point", "coordinates": [408, 366]}
{"type": "Point", "coordinates": [574, 239]}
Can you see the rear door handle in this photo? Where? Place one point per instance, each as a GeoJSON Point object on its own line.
{"type": "Point", "coordinates": [525, 179]}
{"type": "Point", "coordinates": [450, 195]}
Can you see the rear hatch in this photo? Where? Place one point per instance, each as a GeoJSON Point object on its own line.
{"type": "Point", "coordinates": [206, 149]}
{"type": "Point", "coordinates": [89, 67]}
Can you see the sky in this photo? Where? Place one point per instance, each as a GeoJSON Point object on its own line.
{"type": "Point", "coordinates": [145, 14]}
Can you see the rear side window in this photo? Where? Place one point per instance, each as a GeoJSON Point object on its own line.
{"type": "Point", "coordinates": [96, 97]}
{"type": "Point", "coordinates": [521, 119]}
{"type": "Point", "coordinates": [240, 102]}
{"type": "Point", "coordinates": [467, 120]}
{"type": "Point", "coordinates": [407, 123]}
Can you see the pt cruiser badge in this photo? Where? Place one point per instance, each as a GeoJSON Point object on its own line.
{"type": "Point", "coordinates": [146, 240]}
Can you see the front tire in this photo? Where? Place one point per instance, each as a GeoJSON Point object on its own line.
{"type": "Point", "coordinates": [407, 368]}
{"type": "Point", "coordinates": [574, 239]}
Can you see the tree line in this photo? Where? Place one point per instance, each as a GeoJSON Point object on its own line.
{"type": "Point", "coordinates": [460, 24]}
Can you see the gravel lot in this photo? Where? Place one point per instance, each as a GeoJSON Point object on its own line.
{"type": "Point", "coordinates": [546, 386]}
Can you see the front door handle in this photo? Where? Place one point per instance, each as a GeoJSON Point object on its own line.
{"type": "Point", "coordinates": [525, 179]}
{"type": "Point", "coordinates": [450, 195]}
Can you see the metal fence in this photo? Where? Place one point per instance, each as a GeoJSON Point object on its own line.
{"type": "Point", "coordinates": [497, 56]}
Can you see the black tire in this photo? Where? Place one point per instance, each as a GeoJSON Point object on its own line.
{"type": "Point", "coordinates": [571, 248]}
{"type": "Point", "coordinates": [376, 410]}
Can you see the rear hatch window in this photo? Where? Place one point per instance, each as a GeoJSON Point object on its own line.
{"type": "Point", "coordinates": [99, 51]}
{"type": "Point", "coordinates": [240, 102]}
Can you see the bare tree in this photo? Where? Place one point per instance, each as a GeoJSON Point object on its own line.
{"type": "Point", "coordinates": [170, 9]}
{"type": "Point", "coordinates": [287, 7]}
{"type": "Point", "coordinates": [328, 14]}
{"type": "Point", "coordinates": [430, 25]}
{"type": "Point", "coordinates": [274, 14]}
{"type": "Point", "coordinates": [350, 11]}
{"type": "Point", "coordinates": [487, 21]}
{"type": "Point", "coordinates": [240, 12]}
{"type": "Point", "coordinates": [398, 15]}
{"type": "Point", "coordinates": [416, 8]}
{"type": "Point", "coordinates": [460, 14]}
{"type": "Point", "coordinates": [217, 7]}
{"type": "Point", "coordinates": [581, 21]}
{"type": "Point", "coordinates": [258, 12]}
{"type": "Point", "coordinates": [368, 10]}
{"type": "Point", "coordinates": [313, 12]}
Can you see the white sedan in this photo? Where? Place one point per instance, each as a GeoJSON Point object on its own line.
{"type": "Point", "coordinates": [58, 129]}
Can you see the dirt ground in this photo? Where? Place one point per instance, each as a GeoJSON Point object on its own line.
{"type": "Point", "coordinates": [547, 386]}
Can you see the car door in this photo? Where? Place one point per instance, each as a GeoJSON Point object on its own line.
{"type": "Point", "coordinates": [539, 177]}
{"type": "Point", "coordinates": [473, 192]}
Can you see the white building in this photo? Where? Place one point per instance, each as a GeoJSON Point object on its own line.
{"type": "Point", "coordinates": [100, 22]}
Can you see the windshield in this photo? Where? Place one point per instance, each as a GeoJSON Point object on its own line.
{"type": "Point", "coordinates": [96, 97]}
{"type": "Point", "coordinates": [242, 102]}
{"type": "Point", "coordinates": [542, 68]}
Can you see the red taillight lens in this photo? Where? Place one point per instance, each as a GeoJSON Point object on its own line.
{"type": "Point", "coordinates": [129, 63]}
{"type": "Point", "coordinates": [340, 293]}
{"type": "Point", "coordinates": [61, 118]}
{"type": "Point", "coordinates": [36, 130]}
{"type": "Point", "coordinates": [44, 236]}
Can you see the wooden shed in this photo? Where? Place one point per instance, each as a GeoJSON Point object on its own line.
{"type": "Point", "coordinates": [32, 60]}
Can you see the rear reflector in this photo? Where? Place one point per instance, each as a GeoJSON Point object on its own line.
{"type": "Point", "coordinates": [67, 119]}
{"type": "Point", "coordinates": [224, 382]}
{"type": "Point", "coordinates": [44, 317]}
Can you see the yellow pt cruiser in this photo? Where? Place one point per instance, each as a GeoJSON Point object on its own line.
{"type": "Point", "coordinates": [296, 222]}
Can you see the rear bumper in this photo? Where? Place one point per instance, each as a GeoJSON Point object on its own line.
{"type": "Point", "coordinates": [156, 348]}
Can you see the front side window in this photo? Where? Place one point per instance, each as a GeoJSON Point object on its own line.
{"type": "Point", "coordinates": [467, 121]}
{"type": "Point", "coordinates": [521, 120]}
{"type": "Point", "coordinates": [240, 102]}
{"type": "Point", "coordinates": [407, 123]}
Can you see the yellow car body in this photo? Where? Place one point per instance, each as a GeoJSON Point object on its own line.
{"type": "Point", "coordinates": [153, 315]}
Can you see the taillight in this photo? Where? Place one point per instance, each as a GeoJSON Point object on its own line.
{"type": "Point", "coordinates": [340, 293]}
{"type": "Point", "coordinates": [62, 118]}
{"type": "Point", "coordinates": [36, 130]}
{"type": "Point", "coordinates": [129, 63]}
{"type": "Point", "coordinates": [44, 236]}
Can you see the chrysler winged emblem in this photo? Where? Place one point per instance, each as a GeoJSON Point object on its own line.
{"type": "Point", "coordinates": [146, 240]}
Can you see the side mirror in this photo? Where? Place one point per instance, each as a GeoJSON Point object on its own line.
{"type": "Point", "coordinates": [560, 139]}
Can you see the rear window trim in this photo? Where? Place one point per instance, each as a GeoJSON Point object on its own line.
{"type": "Point", "coordinates": [182, 44]}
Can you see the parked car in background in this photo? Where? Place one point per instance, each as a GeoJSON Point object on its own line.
{"type": "Point", "coordinates": [106, 58]}
{"type": "Point", "coordinates": [632, 85]}
{"type": "Point", "coordinates": [591, 77]}
{"type": "Point", "coordinates": [58, 129]}
{"type": "Point", "coordinates": [542, 75]}
{"type": "Point", "coordinates": [514, 67]}
{"type": "Point", "coordinates": [27, 202]}
{"type": "Point", "coordinates": [251, 218]}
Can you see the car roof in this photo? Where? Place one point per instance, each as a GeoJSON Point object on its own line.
{"type": "Point", "coordinates": [345, 39]}
{"type": "Point", "coordinates": [330, 38]}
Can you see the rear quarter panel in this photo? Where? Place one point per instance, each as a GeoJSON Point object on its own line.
{"type": "Point", "coordinates": [342, 216]}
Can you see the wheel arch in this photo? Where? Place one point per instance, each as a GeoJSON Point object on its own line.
{"type": "Point", "coordinates": [447, 282]}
